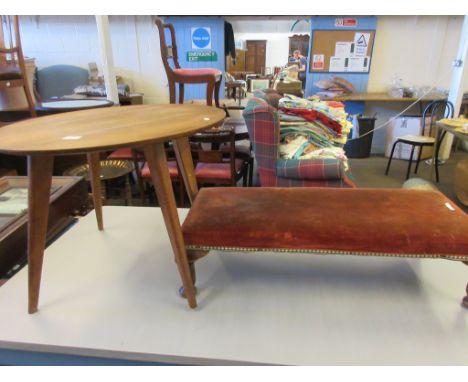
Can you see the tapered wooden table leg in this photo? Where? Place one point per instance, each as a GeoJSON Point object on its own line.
{"type": "Point", "coordinates": [157, 163]}
{"type": "Point", "coordinates": [185, 161]}
{"type": "Point", "coordinates": [40, 178]}
{"type": "Point", "coordinates": [95, 177]}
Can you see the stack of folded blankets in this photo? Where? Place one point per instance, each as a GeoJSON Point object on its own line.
{"type": "Point", "coordinates": [334, 86]}
{"type": "Point", "coordinates": [312, 129]}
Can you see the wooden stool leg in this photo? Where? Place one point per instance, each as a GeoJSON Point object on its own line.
{"type": "Point", "coordinates": [465, 299]}
{"type": "Point", "coordinates": [419, 159]}
{"type": "Point", "coordinates": [157, 162]}
{"type": "Point", "coordinates": [30, 100]}
{"type": "Point", "coordinates": [391, 157]}
{"type": "Point", "coordinates": [40, 179]}
{"type": "Point", "coordinates": [216, 91]}
{"type": "Point", "coordinates": [209, 92]}
{"type": "Point", "coordinates": [251, 164]}
{"type": "Point", "coordinates": [193, 275]}
{"type": "Point", "coordinates": [437, 150]}
{"type": "Point", "coordinates": [181, 93]}
{"type": "Point", "coordinates": [141, 184]}
{"type": "Point", "coordinates": [193, 255]}
{"type": "Point", "coordinates": [410, 162]}
{"type": "Point", "coordinates": [95, 177]}
{"type": "Point", "coordinates": [185, 165]}
{"type": "Point", "coordinates": [171, 91]}
{"type": "Point", "coordinates": [128, 191]}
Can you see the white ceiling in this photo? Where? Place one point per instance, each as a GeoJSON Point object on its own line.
{"type": "Point", "coordinates": [269, 24]}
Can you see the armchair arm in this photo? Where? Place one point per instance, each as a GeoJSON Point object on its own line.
{"type": "Point", "coordinates": [326, 168]}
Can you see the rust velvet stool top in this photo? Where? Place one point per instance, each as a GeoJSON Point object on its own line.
{"type": "Point", "coordinates": [380, 222]}
{"type": "Point", "coordinates": [357, 221]}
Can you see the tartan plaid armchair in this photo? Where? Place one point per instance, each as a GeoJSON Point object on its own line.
{"type": "Point", "coordinates": [264, 130]}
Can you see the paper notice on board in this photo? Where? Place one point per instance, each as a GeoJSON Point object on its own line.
{"type": "Point", "coordinates": [357, 64]}
{"type": "Point", "coordinates": [337, 64]}
{"type": "Point", "coordinates": [361, 43]}
{"type": "Point", "coordinates": [344, 49]}
{"type": "Point", "coordinates": [318, 61]}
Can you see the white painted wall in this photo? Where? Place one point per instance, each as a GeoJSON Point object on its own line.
{"type": "Point", "coordinates": [277, 46]}
{"type": "Point", "coordinates": [73, 40]}
{"type": "Point", "coordinates": [275, 32]}
{"type": "Point", "coordinates": [419, 49]}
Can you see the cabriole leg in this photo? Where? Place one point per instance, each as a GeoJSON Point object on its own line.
{"type": "Point", "coordinates": [193, 255]}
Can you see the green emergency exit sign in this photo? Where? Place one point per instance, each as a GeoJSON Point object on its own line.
{"type": "Point", "coordinates": [195, 56]}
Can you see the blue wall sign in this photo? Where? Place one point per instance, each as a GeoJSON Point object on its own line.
{"type": "Point", "coordinates": [185, 26]}
{"type": "Point", "coordinates": [201, 38]}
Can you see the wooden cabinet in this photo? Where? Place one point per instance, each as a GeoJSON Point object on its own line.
{"type": "Point", "coordinates": [301, 42]}
{"type": "Point", "coordinates": [255, 56]}
{"type": "Point", "coordinates": [240, 62]}
{"type": "Point", "coordinates": [69, 197]}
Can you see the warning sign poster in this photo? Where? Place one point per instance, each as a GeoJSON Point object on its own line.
{"type": "Point", "coordinates": [361, 43]}
{"type": "Point", "coordinates": [318, 62]}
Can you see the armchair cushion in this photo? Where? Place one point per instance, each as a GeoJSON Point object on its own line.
{"type": "Point", "coordinates": [10, 72]}
{"type": "Point", "coordinates": [172, 166]}
{"type": "Point", "coordinates": [125, 153]}
{"type": "Point", "coordinates": [216, 171]}
{"type": "Point", "coordinates": [198, 72]}
{"type": "Point", "coordinates": [327, 168]}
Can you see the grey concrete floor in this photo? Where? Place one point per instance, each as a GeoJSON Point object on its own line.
{"type": "Point", "coordinates": [370, 172]}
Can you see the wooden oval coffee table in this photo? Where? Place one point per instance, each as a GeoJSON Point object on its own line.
{"type": "Point", "coordinates": [92, 131]}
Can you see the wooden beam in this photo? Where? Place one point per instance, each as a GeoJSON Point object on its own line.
{"type": "Point", "coordinates": [107, 60]}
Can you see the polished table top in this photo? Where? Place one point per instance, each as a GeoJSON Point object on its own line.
{"type": "Point", "coordinates": [377, 97]}
{"type": "Point", "coordinates": [106, 128]}
{"type": "Point", "coordinates": [74, 104]}
{"type": "Point", "coordinates": [457, 130]}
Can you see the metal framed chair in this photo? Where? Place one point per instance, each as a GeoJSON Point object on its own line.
{"type": "Point", "coordinates": [12, 65]}
{"type": "Point", "coordinates": [434, 111]}
{"type": "Point", "coordinates": [210, 76]}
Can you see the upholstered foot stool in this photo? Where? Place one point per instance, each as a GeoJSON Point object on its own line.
{"type": "Point", "coordinates": [366, 222]}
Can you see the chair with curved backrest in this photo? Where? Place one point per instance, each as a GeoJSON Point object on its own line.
{"type": "Point", "coordinates": [60, 80]}
{"type": "Point", "coordinates": [434, 111]}
{"type": "Point", "coordinates": [211, 77]}
{"type": "Point", "coordinates": [218, 166]}
{"type": "Point", "coordinates": [12, 66]}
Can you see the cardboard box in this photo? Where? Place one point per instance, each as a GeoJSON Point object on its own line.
{"type": "Point", "coordinates": [407, 125]}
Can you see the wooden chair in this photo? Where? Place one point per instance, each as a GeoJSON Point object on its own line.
{"type": "Point", "coordinates": [175, 174]}
{"type": "Point", "coordinates": [137, 157]}
{"type": "Point", "coordinates": [211, 77]}
{"type": "Point", "coordinates": [218, 166]}
{"type": "Point", "coordinates": [12, 66]}
{"type": "Point", "coordinates": [435, 110]}
{"type": "Point", "coordinates": [235, 89]}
